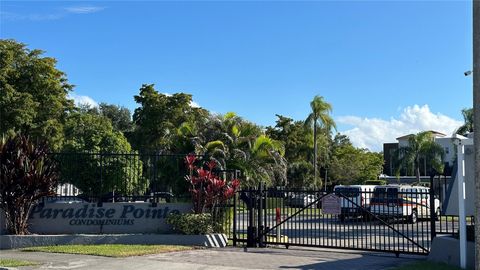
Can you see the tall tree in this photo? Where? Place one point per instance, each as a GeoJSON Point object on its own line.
{"type": "Point", "coordinates": [88, 134]}
{"type": "Point", "coordinates": [262, 162]}
{"type": "Point", "coordinates": [159, 116]}
{"type": "Point", "coordinates": [318, 119]}
{"type": "Point", "coordinates": [33, 94]}
{"type": "Point", "coordinates": [467, 127]}
{"type": "Point", "coordinates": [351, 165]}
{"type": "Point", "coordinates": [236, 144]}
{"type": "Point", "coordinates": [297, 139]}
{"type": "Point", "coordinates": [420, 145]}
{"type": "Point", "coordinates": [119, 116]}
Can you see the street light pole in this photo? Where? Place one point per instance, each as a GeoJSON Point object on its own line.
{"type": "Point", "coordinates": [476, 121]}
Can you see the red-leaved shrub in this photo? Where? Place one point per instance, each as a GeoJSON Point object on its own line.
{"type": "Point", "coordinates": [208, 190]}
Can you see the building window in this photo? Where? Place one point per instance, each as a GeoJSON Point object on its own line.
{"type": "Point", "coordinates": [447, 150]}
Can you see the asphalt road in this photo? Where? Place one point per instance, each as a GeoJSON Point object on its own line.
{"type": "Point", "coordinates": [329, 231]}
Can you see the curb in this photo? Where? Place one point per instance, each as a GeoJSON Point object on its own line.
{"type": "Point", "coordinates": [215, 240]}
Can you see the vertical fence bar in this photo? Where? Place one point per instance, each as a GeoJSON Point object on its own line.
{"type": "Point", "coordinates": [234, 229]}
{"type": "Point", "coordinates": [260, 216]}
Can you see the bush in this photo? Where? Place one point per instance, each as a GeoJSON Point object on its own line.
{"type": "Point", "coordinates": [191, 224]}
{"type": "Point", "coordinates": [26, 175]}
{"type": "Point", "coordinates": [208, 190]}
{"type": "Point", "coordinates": [376, 182]}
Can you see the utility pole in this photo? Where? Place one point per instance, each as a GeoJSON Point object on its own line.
{"type": "Point", "coordinates": [476, 121]}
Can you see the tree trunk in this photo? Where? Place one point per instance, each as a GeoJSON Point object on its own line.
{"type": "Point", "coordinates": [476, 125]}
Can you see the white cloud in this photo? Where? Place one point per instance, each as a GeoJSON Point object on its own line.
{"type": "Point", "coordinates": [11, 16]}
{"type": "Point", "coordinates": [83, 100]}
{"type": "Point", "coordinates": [84, 9]}
{"type": "Point", "coordinates": [51, 15]}
{"type": "Point", "coordinates": [371, 133]}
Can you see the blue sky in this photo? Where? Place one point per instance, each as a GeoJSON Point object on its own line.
{"type": "Point", "coordinates": [387, 67]}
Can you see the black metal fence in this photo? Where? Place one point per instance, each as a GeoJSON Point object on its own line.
{"type": "Point", "coordinates": [400, 219]}
{"type": "Point", "coordinates": [122, 176]}
{"type": "Point", "coordinates": [397, 220]}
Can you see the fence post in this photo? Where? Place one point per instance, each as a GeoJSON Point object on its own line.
{"type": "Point", "coordinates": [260, 231]}
{"type": "Point", "coordinates": [101, 179]}
{"type": "Point", "coordinates": [235, 220]}
{"type": "Point", "coordinates": [433, 209]}
{"type": "Point", "coordinates": [251, 230]}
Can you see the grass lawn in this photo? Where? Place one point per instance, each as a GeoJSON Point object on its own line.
{"type": "Point", "coordinates": [109, 250]}
{"type": "Point", "coordinates": [427, 266]}
{"type": "Point", "coordinates": [15, 263]}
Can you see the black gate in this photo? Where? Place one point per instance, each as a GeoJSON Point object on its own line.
{"type": "Point", "coordinates": [400, 221]}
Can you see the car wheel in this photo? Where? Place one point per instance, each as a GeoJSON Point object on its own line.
{"type": "Point", "coordinates": [413, 217]}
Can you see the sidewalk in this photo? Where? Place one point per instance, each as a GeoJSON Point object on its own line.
{"type": "Point", "coordinates": [227, 259]}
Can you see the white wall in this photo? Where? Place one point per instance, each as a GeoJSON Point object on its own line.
{"type": "Point", "coordinates": [451, 206]}
{"type": "Point", "coordinates": [448, 148]}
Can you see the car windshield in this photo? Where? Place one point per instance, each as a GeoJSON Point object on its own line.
{"type": "Point", "coordinates": [347, 192]}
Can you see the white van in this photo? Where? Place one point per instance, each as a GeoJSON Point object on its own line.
{"type": "Point", "coordinates": [355, 199]}
{"type": "Point", "coordinates": [402, 201]}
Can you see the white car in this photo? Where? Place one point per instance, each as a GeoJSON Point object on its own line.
{"type": "Point", "coordinates": [399, 201]}
{"type": "Point", "coordinates": [301, 200]}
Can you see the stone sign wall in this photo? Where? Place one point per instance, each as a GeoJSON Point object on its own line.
{"type": "Point", "coordinates": [90, 218]}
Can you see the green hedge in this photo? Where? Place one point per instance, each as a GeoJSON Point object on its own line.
{"type": "Point", "coordinates": [191, 224]}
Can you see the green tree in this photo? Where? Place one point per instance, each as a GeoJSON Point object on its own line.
{"type": "Point", "coordinates": [295, 136]}
{"type": "Point", "coordinates": [119, 116]}
{"type": "Point", "coordinates": [236, 144]}
{"type": "Point", "coordinates": [372, 165]}
{"type": "Point", "coordinates": [159, 116]}
{"type": "Point", "coordinates": [467, 127]}
{"type": "Point", "coordinates": [33, 94]}
{"type": "Point", "coordinates": [263, 162]}
{"type": "Point", "coordinates": [88, 135]}
{"type": "Point", "coordinates": [318, 119]}
{"type": "Point", "coordinates": [420, 145]}
{"type": "Point", "coordinates": [300, 175]}
{"type": "Point", "coordinates": [351, 165]}
{"type": "Point", "coordinates": [298, 141]}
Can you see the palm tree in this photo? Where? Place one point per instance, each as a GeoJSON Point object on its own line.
{"type": "Point", "coordinates": [262, 162]}
{"type": "Point", "coordinates": [319, 118]}
{"type": "Point", "coordinates": [259, 157]}
{"type": "Point", "coordinates": [234, 143]}
{"type": "Point", "coordinates": [421, 145]}
{"type": "Point", "coordinates": [467, 127]}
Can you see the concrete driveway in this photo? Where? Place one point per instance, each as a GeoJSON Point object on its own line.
{"type": "Point", "coordinates": [227, 258]}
